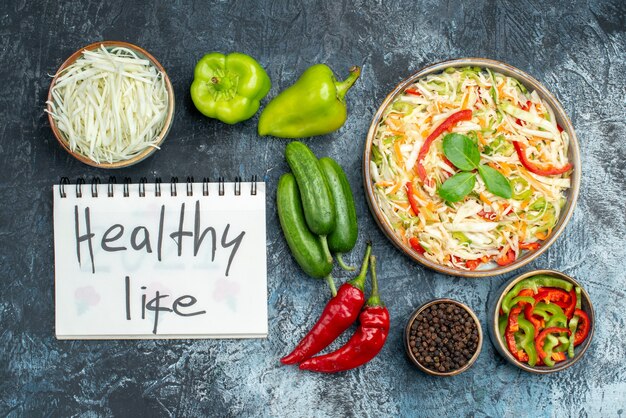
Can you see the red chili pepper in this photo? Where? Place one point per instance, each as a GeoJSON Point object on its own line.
{"type": "Point", "coordinates": [569, 310]}
{"type": "Point", "coordinates": [530, 166]}
{"type": "Point", "coordinates": [415, 244]}
{"type": "Point", "coordinates": [507, 258]}
{"type": "Point", "coordinates": [531, 246]}
{"type": "Point", "coordinates": [413, 91]}
{"type": "Point", "coordinates": [340, 312]}
{"type": "Point", "coordinates": [509, 335]}
{"type": "Point", "coordinates": [539, 341]}
{"type": "Point", "coordinates": [364, 344]}
{"type": "Point", "coordinates": [410, 192]}
{"type": "Point", "coordinates": [488, 216]}
{"type": "Point", "coordinates": [583, 327]}
{"type": "Point", "coordinates": [452, 120]}
{"type": "Point", "coordinates": [553, 295]}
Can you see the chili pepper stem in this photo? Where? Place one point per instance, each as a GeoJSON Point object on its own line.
{"type": "Point", "coordinates": [331, 285]}
{"type": "Point", "coordinates": [327, 253]}
{"type": "Point", "coordinates": [374, 299]}
{"type": "Point", "coordinates": [359, 281]}
{"type": "Point", "coordinates": [342, 263]}
{"type": "Point", "coordinates": [344, 86]}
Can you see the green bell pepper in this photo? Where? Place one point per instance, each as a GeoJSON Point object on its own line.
{"type": "Point", "coordinates": [314, 105]}
{"type": "Point", "coordinates": [549, 348]}
{"type": "Point", "coordinates": [229, 87]}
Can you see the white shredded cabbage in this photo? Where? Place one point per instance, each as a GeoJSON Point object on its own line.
{"type": "Point", "coordinates": [110, 104]}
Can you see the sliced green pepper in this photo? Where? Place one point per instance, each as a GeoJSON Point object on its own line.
{"type": "Point", "coordinates": [314, 105]}
{"type": "Point", "coordinates": [521, 189]}
{"type": "Point", "coordinates": [548, 348]}
{"type": "Point", "coordinates": [461, 237]}
{"type": "Point", "coordinates": [502, 323]}
{"type": "Point", "coordinates": [526, 299]}
{"type": "Point", "coordinates": [563, 345]}
{"type": "Point", "coordinates": [573, 324]}
{"type": "Point", "coordinates": [528, 342]}
{"type": "Point", "coordinates": [550, 308]}
{"type": "Point", "coordinates": [534, 283]}
{"type": "Point", "coordinates": [403, 107]}
{"type": "Point", "coordinates": [376, 155]}
{"type": "Point", "coordinates": [229, 87]}
{"type": "Point", "coordinates": [500, 145]}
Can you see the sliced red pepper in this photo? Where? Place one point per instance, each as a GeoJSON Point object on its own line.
{"type": "Point", "coordinates": [571, 306]}
{"type": "Point", "coordinates": [415, 244]}
{"type": "Point", "coordinates": [530, 166]}
{"type": "Point", "coordinates": [413, 91]}
{"type": "Point", "coordinates": [452, 120]}
{"type": "Point", "coordinates": [554, 295]}
{"type": "Point", "coordinates": [509, 335]}
{"type": "Point", "coordinates": [583, 327]}
{"type": "Point", "coordinates": [541, 338]}
{"type": "Point", "coordinates": [488, 216]}
{"type": "Point", "coordinates": [410, 192]}
{"type": "Point", "coordinates": [537, 322]}
{"type": "Point", "coordinates": [473, 264]}
{"type": "Point", "coordinates": [507, 258]}
{"type": "Point", "coordinates": [513, 325]}
{"type": "Point", "coordinates": [560, 356]}
{"type": "Point", "coordinates": [559, 128]}
{"type": "Point", "coordinates": [531, 246]}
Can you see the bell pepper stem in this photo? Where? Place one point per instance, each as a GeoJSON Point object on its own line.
{"type": "Point", "coordinates": [325, 248]}
{"type": "Point", "coordinates": [342, 263]}
{"type": "Point", "coordinates": [344, 86]}
{"type": "Point", "coordinates": [359, 281]}
{"type": "Point", "coordinates": [374, 299]}
{"type": "Point", "coordinates": [331, 285]}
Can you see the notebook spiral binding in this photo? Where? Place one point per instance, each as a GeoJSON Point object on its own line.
{"type": "Point", "coordinates": [96, 184]}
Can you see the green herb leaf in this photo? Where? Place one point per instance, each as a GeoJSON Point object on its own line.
{"type": "Point", "coordinates": [496, 183]}
{"type": "Point", "coordinates": [461, 151]}
{"type": "Point", "coordinates": [457, 186]}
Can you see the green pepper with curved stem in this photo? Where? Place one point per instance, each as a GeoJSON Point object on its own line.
{"type": "Point", "coordinates": [314, 105]}
{"type": "Point", "coordinates": [229, 87]}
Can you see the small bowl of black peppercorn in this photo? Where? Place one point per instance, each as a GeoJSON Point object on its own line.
{"type": "Point", "coordinates": [443, 337]}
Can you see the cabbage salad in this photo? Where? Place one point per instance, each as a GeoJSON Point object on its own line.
{"type": "Point", "coordinates": [516, 134]}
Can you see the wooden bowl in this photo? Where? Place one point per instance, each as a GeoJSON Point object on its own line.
{"type": "Point", "coordinates": [168, 119]}
{"type": "Point", "coordinates": [573, 156]}
{"type": "Point", "coordinates": [495, 300]}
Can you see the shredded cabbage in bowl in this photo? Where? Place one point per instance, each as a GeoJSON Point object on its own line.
{"type": "Point", "coordinates": [482, 229]}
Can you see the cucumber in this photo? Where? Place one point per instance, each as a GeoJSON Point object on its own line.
{"type": "Point", "coordinates": [343, 238]}
{"type": "Point", "coordinates": [305, 247]}
{"type": "Point", "coordinates": [317, 201]}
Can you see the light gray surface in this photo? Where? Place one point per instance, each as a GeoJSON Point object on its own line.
{"type": "Point", "coordinates": [576, 49]}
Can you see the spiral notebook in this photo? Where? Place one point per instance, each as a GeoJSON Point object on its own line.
{"type": "Point", "coordinates": [160, 260]}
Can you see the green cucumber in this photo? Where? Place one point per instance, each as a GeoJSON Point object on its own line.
{"type": "Point", "coordinates": [317, 201]}
{"type": "Point", "coordinates": [305, 247]}
{"type": "Point", "coordinates": [344, 236]}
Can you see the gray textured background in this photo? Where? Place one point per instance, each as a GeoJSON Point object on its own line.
{"type": "Point", "coordinates": [576, 48]}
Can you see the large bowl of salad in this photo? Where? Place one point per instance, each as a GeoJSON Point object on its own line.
{"type": "Point", "coordinates": [471, 167]}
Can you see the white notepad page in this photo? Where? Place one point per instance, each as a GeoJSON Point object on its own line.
{"type": "Point", "coordinates": [183, 266]}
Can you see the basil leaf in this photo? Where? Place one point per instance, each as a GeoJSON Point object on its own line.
{"type": "Point", "coordinates": [461, 151]}
{"type": "Point", "coordinates": [496, 183]}
{"type": "Point", "coordinates": [457, 186]}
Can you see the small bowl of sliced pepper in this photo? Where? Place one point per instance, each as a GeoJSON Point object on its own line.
{"type": "Point", "coordinates": [542, 321]}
